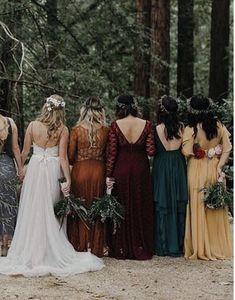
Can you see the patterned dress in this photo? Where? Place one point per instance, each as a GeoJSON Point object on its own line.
{"type": "Point", "coordinates": [88, 181]}
{"type": "Point", "coordinates": [8, 191]}
{"type": "Point", "coordinates": [128, 163]}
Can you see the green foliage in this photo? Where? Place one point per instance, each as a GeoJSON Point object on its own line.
{"type": "Point", "coordinates": [216, 196]}
{"type": "Point", "coordinates": [93, 44]}
{"type": "Point", "coordinates": [106, 209]}
{"type": "Point", "coordinates": [70, 206]}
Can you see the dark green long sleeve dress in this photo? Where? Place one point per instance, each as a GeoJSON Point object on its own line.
{"type": "Point", "coordinates": [170, 199]}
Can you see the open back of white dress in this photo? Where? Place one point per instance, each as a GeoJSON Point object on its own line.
{"type": "Point", "coordinates": [39, 247]}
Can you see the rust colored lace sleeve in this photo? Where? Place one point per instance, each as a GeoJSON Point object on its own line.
{"type": "Point", "coordinates": [111, 152]}
{"type": "Point", "coordinates": [150, 142]}
{"type": "Point", "coordinates": [72, 149]}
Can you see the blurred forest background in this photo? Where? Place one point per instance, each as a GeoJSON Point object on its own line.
{"type": "Point", "coordinates": [148, 48]}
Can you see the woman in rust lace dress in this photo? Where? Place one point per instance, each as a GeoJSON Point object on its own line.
{"type": "Point", "coordinates": [130, 142]}
{"type": "Point", "coordinates": [86, 153]}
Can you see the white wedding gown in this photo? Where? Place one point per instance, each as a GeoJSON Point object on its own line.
{"type": "Point", "coordinates": [39, 247]}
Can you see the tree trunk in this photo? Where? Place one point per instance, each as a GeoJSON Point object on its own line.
{"type": "Point", "coordinates": [185, 55]}
{"type": "Point", "coordinates": [52, 11]}
{"type": "Point", "coordinates": [11, 94]}
{"type": "Point", "coordinates": [219, 58]}
{"type": "Point", "coordinates": [7, 62]}
{"type": "Point", "coordinates": [160, 48]}
{"type": "Point", "coordinates": [142, 54]}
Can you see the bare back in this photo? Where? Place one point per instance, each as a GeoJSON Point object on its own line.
{"type": "Point", "coordinates": [169, 145]}
{"type": "Point", "coordinates": [40, 136]}
{"type": "Point", "coordinates": [131, 127]}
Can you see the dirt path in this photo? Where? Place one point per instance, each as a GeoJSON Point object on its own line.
{"type": "Point", "coordinates": [161, 278]}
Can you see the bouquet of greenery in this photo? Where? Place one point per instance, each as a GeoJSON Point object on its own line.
{"type": "Point", "coordinates": [70, 205]}
{"type": "Point", "coordinates": [216, 195]}
{"type": "Point", "coordinates": [106, 208]}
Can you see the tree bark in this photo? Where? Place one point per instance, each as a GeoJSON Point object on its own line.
{"type": "Point", "coordinates": [160, 48]}
{"type": "Point", "coordinates": [185, 54]}
{"type": "Point", "coordinates": [219, 58]}
{"type": "Point", "coordinates": [11, 94]}
{"type": "Point", "coordinates": [142, 54]}
{"type": "Point", "coordinates": [52, 11]}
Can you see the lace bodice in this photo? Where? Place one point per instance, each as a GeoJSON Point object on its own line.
{"type": "Point", "coordinates": [79, 145]}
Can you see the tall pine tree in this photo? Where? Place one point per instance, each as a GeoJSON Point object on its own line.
{"type": "Point", "coordinates": [185, 55]}
{"type": "Point", "coordinates": [160, 48]}
{"type": "Point", "coordinates": [219, 56]}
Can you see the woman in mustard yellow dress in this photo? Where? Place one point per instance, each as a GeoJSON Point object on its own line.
{"type": "Point", "coordinates": [207, 233]}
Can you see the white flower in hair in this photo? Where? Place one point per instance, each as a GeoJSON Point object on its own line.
{"type": "Point", "coordinates": [54, 103]}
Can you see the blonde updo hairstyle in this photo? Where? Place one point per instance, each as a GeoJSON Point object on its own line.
{"type": "Point", "coordinates": [53, 115]}
{"type": "Point", "coordinates": [92, 113]}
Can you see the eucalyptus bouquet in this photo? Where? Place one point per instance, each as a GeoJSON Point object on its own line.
{"type": "Point", "coordinates": [216, 195]}
{"type": "Point", "coordinates": [70, 205]}
{"type": "Point", "coordinates": [107, 208]}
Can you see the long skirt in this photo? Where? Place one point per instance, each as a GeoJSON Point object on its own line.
{"type": "Point", "coordinates": [88, 183]}
{"type": "Point", "coordinates": [8, 199]}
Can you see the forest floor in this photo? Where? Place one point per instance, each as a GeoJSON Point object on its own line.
{"type": "Point", "coordinates": [157, 279]}
{"type": "Point", "coordinates": [162, 278]}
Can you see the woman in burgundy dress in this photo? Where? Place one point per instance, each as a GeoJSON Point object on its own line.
{"type": "Point", "coordinates": [129, 144]}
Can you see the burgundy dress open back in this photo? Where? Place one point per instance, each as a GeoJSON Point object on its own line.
{"type": "Point", "coordinates": [128, 164]}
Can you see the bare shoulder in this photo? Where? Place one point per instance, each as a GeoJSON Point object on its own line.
{"type": "Point", "coordinates": [160, 126]}
{"type": "Point", "coordinates": [12, 122]}
{"type": "Point", "coordinates": [188, 131]}
{"type": "Point", "coordinates": [35, 123]}
{"type": "Point", "coordinates": [141, 120]}
{"type": "Point", "coordinates": [13, 125]}
{"type": "Point", "coordinates": [64, 130]}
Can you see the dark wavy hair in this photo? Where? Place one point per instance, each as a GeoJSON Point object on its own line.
{"type": "Point", "coordinates": [167, 114]}
{"type": "Point", "coordinates": [200, 113]}
{"type": "Point", "coordinates": [126, 106]}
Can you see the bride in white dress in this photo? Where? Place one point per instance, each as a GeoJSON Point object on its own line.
{"type": "Point", "coordinates": [39, 247]}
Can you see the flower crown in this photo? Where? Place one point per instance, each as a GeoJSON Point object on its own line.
{"type": "Point", "coordinates": [199, 111]}
{"type": "Point", "coordinates": [162, 107]}
{"type": "Point", "coordinates": [53, 103]}
{"type": "Point", "coordinates": [123, 105]}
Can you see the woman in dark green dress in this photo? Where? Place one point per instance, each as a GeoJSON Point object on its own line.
{"type": "Point", "coordinates": [170, 183]}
